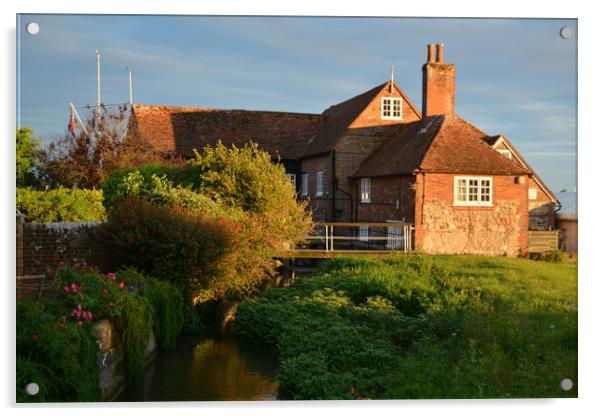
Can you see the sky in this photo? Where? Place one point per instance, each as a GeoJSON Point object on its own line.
{"type": "Point", "coordinates": [516, 77]}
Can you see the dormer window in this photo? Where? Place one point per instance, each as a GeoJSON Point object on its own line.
{"type": "Point", "coordinates": [390, 108]}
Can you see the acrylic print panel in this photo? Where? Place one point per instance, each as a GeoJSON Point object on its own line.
{"type": "Point", "coordinates": [193, 222]}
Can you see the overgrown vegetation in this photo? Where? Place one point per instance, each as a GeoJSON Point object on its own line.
{"type": "Point", "coordinates": [168, 307]}
{"type": "Point", "coordinates": [211, 227]}
{"type": "Point", "coordinates": [26, 148]}
{"type": "Point", "coordinates": [60, 205]}
{"type": "Point", "coordinates": [421, 327]}
{"type": "Point", "coordinates": [56, 346]}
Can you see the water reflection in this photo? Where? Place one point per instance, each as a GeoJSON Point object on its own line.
{"type": "Point", "coordinates": [207, 368]}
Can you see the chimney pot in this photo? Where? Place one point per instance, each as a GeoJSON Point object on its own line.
{"type": "Point", "coordinates": [429, 53]}
{"type": "Point", "coordinates": [440, 53]}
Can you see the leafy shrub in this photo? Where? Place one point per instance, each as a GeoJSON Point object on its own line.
{"type": "Point", "coordinates": [135, 323]}
{"type": "Point", "coordinates": [554, 256]}
{"type": "Point", "coordinates": [167, 304]}
{"type": "Point", "coordinates": [60, 205]}
{"type": "Point", "coordinates": [26, 148]}
{"type": "Point", "coordinates": [212, 227]}
{"type": "Point", "coordinates": [59, 355]}
{"type": "Point", "coordinates": [191, 250]}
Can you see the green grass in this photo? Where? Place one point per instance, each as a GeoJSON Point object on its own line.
{"type": "Point", "coordinates": [421, 327]}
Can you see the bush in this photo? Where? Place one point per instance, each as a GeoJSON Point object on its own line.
{"type": "Point", "coordinates": [212, 227]}
{"type": "Point", "coordinates": [193, 251]}
{"type": "Point", "coordinates": [554, 256]}
{"type": "Point", "coordinates": [59, 355]}
{"type": "Point", "coordinates": [168, 313]}
{"type": "Point", "coordinates": [60, 205]}
{"type": "Point", "coordinates": [26, 148]}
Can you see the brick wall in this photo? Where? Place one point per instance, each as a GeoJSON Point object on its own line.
{"type": "Point", "coordinates": [46, 245]}
{"type": "Point", "coordinates": [370, 116]}
{"type": "Point", "coordinates": [385, 193]}
{"type": "Point", "coordinates": [320, 205]}
{"type": "Point", "coordinates": [442, 227]}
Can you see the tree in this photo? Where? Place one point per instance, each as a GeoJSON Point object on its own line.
{"type": "Point", "coordinates": [26, 161]}
{"type": "Point", "coordinates": [85, 160]}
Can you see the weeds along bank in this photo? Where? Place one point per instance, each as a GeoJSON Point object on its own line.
{"type": "Point", "coordinates": [421, 327]}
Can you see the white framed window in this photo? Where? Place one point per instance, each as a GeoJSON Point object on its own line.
{"type": "Point", "coordinates": [390, 108]}
{"type": "Point", "coordinates": [320, 183]}
{"type": "Point", "coordinates": [532, 193]}
{"type": "Point", "coordinates": [505, 152]}
{"type": "Point", "coordinates": [473, 191]}
{"type": "Point", "coordinates": [304, 185]}
{"type": "Point", "coordinates": [293, 178]}
{"type": "Point", "coordinates": [365, 190]}
{"type": "Point", "coordinates": [364, 233]}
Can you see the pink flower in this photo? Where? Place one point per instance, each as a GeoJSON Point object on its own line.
{"type": "Point", "coordinates": [34, 337]}
{"type": "Point", "coordinates": [79, 307]}
{"type": "Point", "coordinates": [112, 276]}
{"type": "Point", "coordinates": [66, 289]}
{"type": "Point", "coordinates": [121, 285]}
{"type": "Point", "coordinates": [80, 323]}
{"type": "Point", "coordinates": [64, 318]}
{"type": "Point", "coordinates": [74, 287]}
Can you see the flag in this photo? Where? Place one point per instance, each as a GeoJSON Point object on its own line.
{"type": "Point", "coordinates": [72, 125]}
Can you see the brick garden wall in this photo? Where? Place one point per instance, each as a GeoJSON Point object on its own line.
{"type": "Point", "coordinates": [45, 245]}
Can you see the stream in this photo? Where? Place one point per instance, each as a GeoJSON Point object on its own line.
{"type": "Point", "coordinates": [207, 368]}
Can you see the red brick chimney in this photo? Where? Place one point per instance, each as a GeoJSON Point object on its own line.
{"type": "Point", "coordinates": [438, 84]}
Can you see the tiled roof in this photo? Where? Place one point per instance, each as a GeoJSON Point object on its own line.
{"type": "Point", "coordinates": [337, 119]}
{"type": "Point", "coordinates": [491, 140]}
{"type": "Point", "coordinates": [438, 144]}
{"type": "Point", "coordinates": [183, 129]}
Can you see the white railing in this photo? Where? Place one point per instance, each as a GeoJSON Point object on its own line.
{"type": "Point", "coordinates": [363, 236]}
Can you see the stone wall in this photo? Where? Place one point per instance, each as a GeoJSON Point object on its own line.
{"type": "Point", "coordinates": [111, 360]}
{"type": "Point", "coordinates": [541, 209]}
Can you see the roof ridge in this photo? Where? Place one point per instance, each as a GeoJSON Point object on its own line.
{"type": "Point", "coordinates": [378, 87]}
{"type": "Point", "coordinates": [206, 109]}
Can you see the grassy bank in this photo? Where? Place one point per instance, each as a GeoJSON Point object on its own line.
{"type": "Point", "coordinates": [422, 327]}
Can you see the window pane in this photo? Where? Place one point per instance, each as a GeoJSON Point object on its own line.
{"type": "Point", "coordinates": [461, 189]}
{"type": "Point", "coordinates": [473, 190]}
